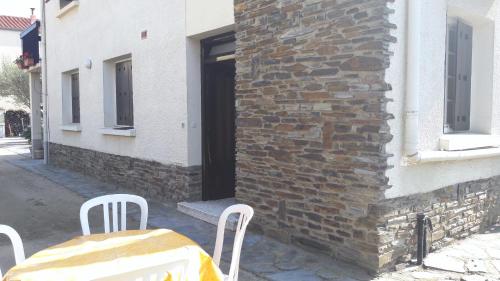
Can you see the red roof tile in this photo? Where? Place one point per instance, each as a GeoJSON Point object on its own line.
{"type": "Point", "coordinates": [14, 23]}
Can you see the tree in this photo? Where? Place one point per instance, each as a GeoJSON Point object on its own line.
{"type": "Point", "coordinates": [14, 82]}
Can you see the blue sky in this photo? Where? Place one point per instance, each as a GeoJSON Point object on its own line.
{"type": "Point", "coordinates": [20, 8]}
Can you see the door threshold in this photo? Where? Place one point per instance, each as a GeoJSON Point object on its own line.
{"type": "Point", "coordinates": [209, 211]}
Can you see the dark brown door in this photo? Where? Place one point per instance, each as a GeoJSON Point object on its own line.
{"type": "Point", "coordinates": [219, 130]}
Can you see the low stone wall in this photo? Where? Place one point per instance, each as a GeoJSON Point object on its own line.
{"type": "Point", "coordinates": [143, 177]}
{"type": "Point", "coordinates": [455, 211]}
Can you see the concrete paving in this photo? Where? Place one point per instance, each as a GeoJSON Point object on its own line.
{"type": "Point", "coordinates": [42, 202]}
{"type": "Point", "coordinates": [473, 259]}
{"type": "Point", "coordinates": [210, 211]}
{"type": "Point", "coordinates": [43, 213]}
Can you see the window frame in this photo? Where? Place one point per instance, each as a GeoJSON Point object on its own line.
{"type": "Point", "coordinates": [67, 99]}
{"type": "Point", "coordinates": [64, 3]}
{"type": "Point", "coordinates": [110, 126]}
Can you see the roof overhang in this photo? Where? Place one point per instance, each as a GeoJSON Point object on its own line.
{"type": "Point", "coordinates": [32, 28]}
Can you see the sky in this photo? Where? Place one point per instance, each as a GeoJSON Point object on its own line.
{"type": "Point", "coordinates": [19, 8]}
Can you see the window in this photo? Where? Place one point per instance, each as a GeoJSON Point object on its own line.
{"type": "Point", "coordinates": [124, 94]}
{"type": "Point", "coordinates": [118, 96]}
{"type": "Point", "coordinates": [65, 6]}
{"type": "Point", "coordinates": [70, 98]}
{"type": "Point", "coordinates": [75, 98]}
{"type": "Point", "coordinates": [64, 3]}
{"type": "Point", "coordinates": [458, 75]}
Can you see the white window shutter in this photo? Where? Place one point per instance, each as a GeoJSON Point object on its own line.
{"type": "Point", "coordinates": [461, 116]}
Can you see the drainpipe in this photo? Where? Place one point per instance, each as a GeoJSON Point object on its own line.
{"type": "Point", "coordinates": [424, 226]}
{"type": "Point", "coordinates": [412, 81]}
{"type": "Point", "coordinates": [420, 238]}
{"type": "Point", "coordinates": [45, 95]}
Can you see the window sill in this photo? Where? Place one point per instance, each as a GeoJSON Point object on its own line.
{"type": "Point", "coordinates": [441, 156]}
{"type": "Point", "coordinates": [72, 128]}
{"type": "Point", "coordinates": [71, 6]}
{"type": "Point", "coordinates": [454, 142]}
{"type": "Point", "coordinates": [118, 132]}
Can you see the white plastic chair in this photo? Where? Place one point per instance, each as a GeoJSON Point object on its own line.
{"type": "Point", "coordinates": [246, 213]}
{"type": "Point", "coordinates": [114, 199]}
{"type": "Point", "coordinates": [179, 270]}
{"type": "Point", "coordinates": [17, 243]}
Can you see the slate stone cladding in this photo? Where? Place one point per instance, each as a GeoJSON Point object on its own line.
{"type": "Point", "coordinates": [312, 121]}
{"type": "Point", "coordinates": [455, 212]}
{"type": "Point", "coordinates": [146, 178]}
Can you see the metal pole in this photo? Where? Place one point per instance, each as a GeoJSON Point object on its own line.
{"type": "Point", "coordinates": [424, 239]}
{"type": "Point", "coordinates": [420, 238]}
{"type": "Point", "coordinates": [45, 95]}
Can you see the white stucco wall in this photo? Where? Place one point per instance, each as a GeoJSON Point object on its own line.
{"type": "Point", "coordinates": [421, 177]}
{"type": "Point", "coordinates": [10, 44]}
{"type": "Point", "coordinates": [103, 30]}
{"type": "Point", "coordinates": [209, 17]}
{"type": "Point", "coordinates": [194, 101]}
{"type": "Point", "coordinates": [203, 19]}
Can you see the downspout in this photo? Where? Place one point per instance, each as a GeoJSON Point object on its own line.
{"type": "Point", "coordinates": [411, 114]}
{"type": "Point", "coordinates": [45, 95]}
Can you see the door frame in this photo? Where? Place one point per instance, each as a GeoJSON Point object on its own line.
{"type": "Point", "coordinates": [205, 46]}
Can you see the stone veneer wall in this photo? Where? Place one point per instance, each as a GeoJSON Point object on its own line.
{"type": "Point", "coordinates": [455, 211]}
{"type": "Point", "coordinates": [146, 178]}
{"type": "Point", "coordinates": [312, 122]}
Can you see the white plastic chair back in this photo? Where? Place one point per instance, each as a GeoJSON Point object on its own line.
{"type": "Point", "coordinates": [178, 270]}
{"type": "Point", "coordinates": [246, 213]}
{"type": "Point", "coordinates": [114, 199]}
{"type": "Point", "coordinates": [17, 243]}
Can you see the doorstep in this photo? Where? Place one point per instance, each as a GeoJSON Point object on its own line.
{"type": "Point", "coordinates": [209, 211]}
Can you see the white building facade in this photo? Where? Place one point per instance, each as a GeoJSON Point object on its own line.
{"type": "Point", "coordinates": [479, 156]}
{"type": "Point", "coordinates": [157, 40]}
{"type": "Point", "coordinates": [337, 121]}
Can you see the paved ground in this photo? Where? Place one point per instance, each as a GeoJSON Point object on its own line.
{"type": "Point", "coordinates": [473, 259]}
{"type": "Point", "coordinates": [43, 202]}
{"type": "Point", "coordinates": [33, 206]}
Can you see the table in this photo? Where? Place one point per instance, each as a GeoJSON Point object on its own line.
{"type": "Point", "coordinates": [101, 255]}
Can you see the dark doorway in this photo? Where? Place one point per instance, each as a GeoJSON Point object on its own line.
{"type": "Point", "coordinates": [218, 82]}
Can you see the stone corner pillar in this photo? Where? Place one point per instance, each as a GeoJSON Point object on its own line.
{"type": "Point", "coordinates": [311, 126]}
{"type": "Point", "coordinates": [36, 115]}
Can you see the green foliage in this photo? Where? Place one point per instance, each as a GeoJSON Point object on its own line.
{"type": "Point", "coordinates": [19, 61]}
{"type": "Point", "coordinates": [16, 122]}
{"type": "Point", "coordinates": [14, 82]}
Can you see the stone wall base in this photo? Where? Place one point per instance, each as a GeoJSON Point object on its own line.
{"type": "Point", "coordinates": [364, 256]}
{"type": "Point", "coordinates": [456, 211]}
{"type": "Point", "coordinates": [146, 178]}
